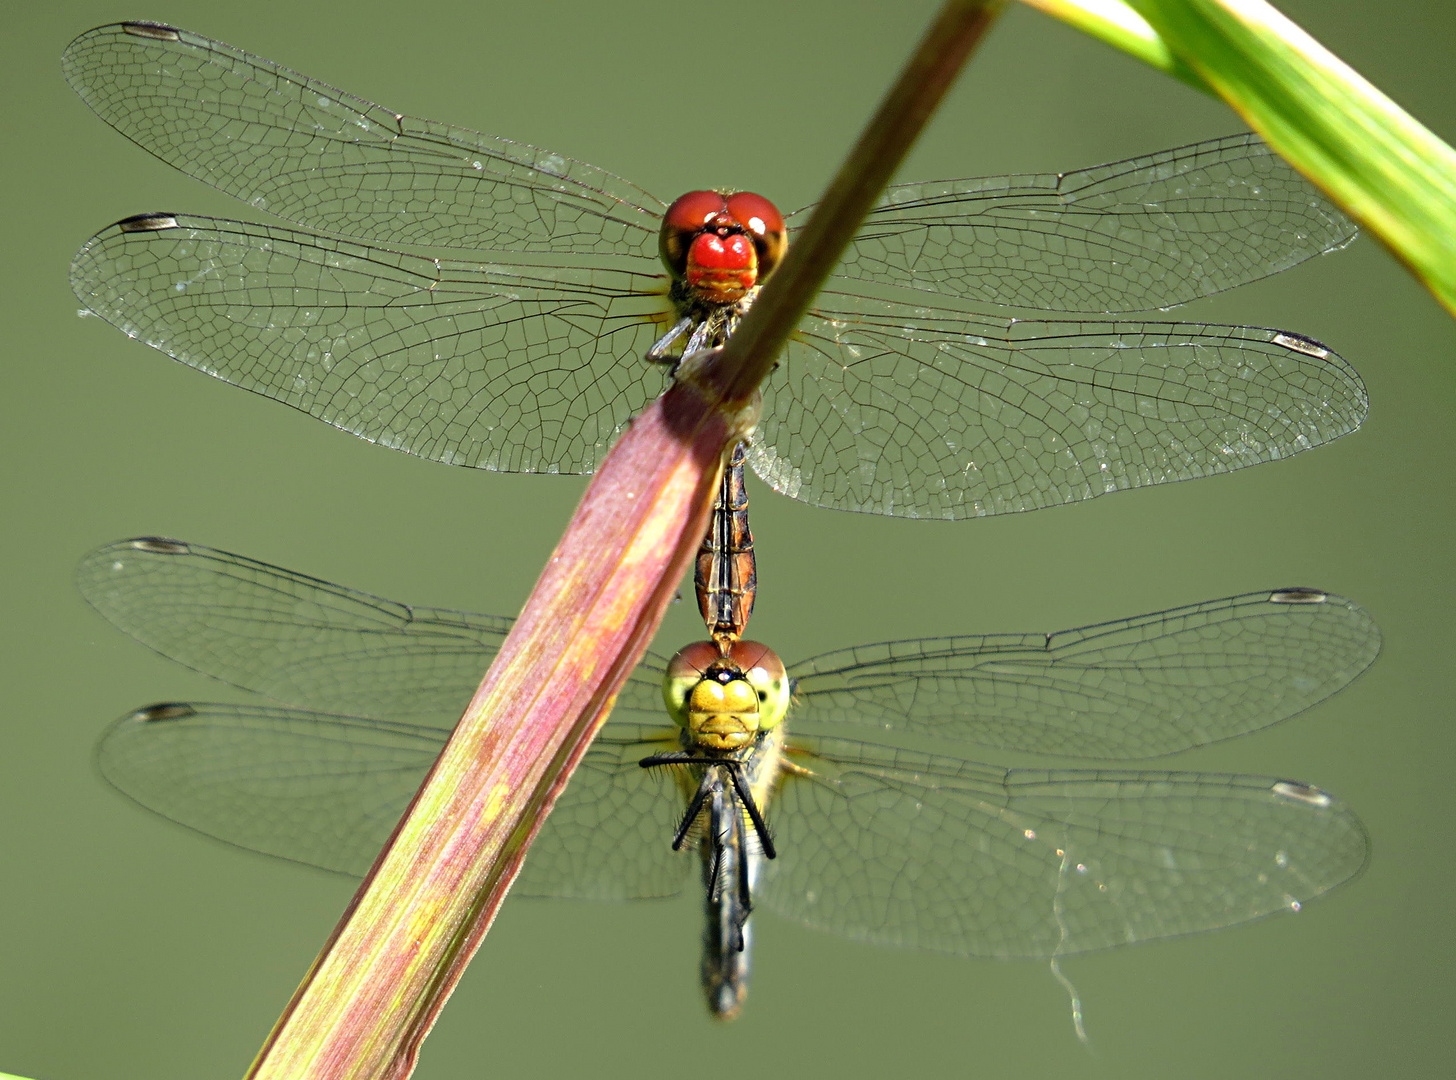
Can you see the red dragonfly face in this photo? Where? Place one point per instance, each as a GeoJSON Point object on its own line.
{"type": "Point", "coordinates": [722, 245]}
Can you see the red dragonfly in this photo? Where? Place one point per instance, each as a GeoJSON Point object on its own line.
{"type": "Point", "coordinates": [919, 385]}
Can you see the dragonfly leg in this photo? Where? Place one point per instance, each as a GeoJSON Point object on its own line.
{"type": "Point", "coordinates": [750, 806]}
{"type": "Point", "coordinates": [674, 757]}
{"type": "Point", "coordinates": [728, 869]}
{"type": "Point", "coordinates": [705, 789]}
{"type": "Point", "coordinates": [745, 888]}
{"type": "Point", "coordinates": [717, 854]}
{"type": "Point", "coordinates": [704, 336]}
{"type": "Point", "coordinates": [734, 769]}
{"type": "Point", "coordinates": [726, 935]}
{"type": "Point", "coordinates": [661, 351]}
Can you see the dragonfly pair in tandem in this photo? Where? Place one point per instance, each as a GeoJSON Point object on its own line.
{"type": "Point", "coordinates": [895, 397]}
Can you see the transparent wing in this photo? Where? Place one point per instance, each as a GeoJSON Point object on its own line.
{"type": "Point", "coordinates": [878, 842]}
{"type": "Point", "coordinates": [1134, 235]}
{"type": "Point", "coordinates": [609, 836]}
{"type": "Point", "coordinates": [305, 151]}
{"type": "Point", "coordinates": [916, 410]}
{"type": "Point", "coordinates": [933, 852]}
{"type": "Point", "coordinates": [879, 405]}
{"type": "Point", "coordinates": [526, 368]}
{"type": "Point", "coordinates": [291, 637]}
{"type": "Point", "coordinates": [1134, 688]}
{"type": "Point", "coordinates": [303, 641]}
{"type": "Point", "coordinates": [327, 791]}
{"type": "Point", "coordinates": [895, 409]}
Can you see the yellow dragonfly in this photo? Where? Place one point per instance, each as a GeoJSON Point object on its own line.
{"type": "Point", "coordinates": [851, 773]}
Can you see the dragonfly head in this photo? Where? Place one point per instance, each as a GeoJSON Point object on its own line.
{"type": "Point", "coordinates": [722, 244]}
{"type": "Point", "coordinates": [725, 701]}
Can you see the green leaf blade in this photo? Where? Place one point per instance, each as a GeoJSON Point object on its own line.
{"type": "Point", "coordinates": [1377, 161]}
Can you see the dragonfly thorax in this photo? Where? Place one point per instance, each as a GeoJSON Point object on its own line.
{"type": "Point", "coordinates": [720, 246]}
{"type": "Point", "coordinates": [725, 702]}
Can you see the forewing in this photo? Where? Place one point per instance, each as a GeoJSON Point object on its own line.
{"type": "Point", "coordinates": [322, 790]}
{"type": "Point", "coordinates": [609, 836]}
{"type": "Point", "coordinates": [520, 368]}
{"type": "Point", "coordinates": [932, 852]}
{"type": "Point", "coordinates": [893, 407]}
{"type": "Point", "coordinates": [1134, 688]}
{"type": "Point", "coordinates": [304, 641]}
{"type": "Point", "coordinates": [1134, 235]}
{"type": "Point", "coordinates": [328, 790]}
{"type": "Point", "coordinates": [293, 638]}
{"type": "Point", "coordinates": [305, 151]}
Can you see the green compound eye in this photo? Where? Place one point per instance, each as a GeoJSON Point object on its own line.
{"type": "Point", "coordinates": [765, 673]}
{"type": "Point", "coordinates": [684, 671]}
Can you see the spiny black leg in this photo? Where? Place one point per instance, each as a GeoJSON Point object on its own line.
{"type": "Point", "coordinates": [694, 809]}
{"type": "Point", "coordinates": [673, 757]}
{"type": "Point", "coordinates": [677, 757]}
{"type": "Point", "coordinates": [716, 870]}
{"type": "Point", "coordinates": [745, 899]}
{"type": "Point", "coordinates": [740, 785]}
{"type": "Point", "coordinates": [750, 805]}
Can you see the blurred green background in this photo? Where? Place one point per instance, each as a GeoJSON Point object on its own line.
{"type": "Point", "coordinates": [131, 948]}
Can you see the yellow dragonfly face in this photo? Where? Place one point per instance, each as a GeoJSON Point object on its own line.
{"type": "Point", "coordinates": [724, 701]}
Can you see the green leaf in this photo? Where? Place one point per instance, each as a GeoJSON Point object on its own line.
{"type": "Point", "coordinates": [1377, 161]}
{"type": "Point", "coordinates": [1114, 22]}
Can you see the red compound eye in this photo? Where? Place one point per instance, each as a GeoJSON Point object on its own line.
{"type": "Point", "coordinates": [684, 219]}
{"type": "Point", "coordinates": [755, 213]}
{"type": "Point", "coordinates": [751, 654]}
{"type": "Point", "coordinates": [692, 661]}
{"type": "Point", "coordinates": [764, 223]}
{"type": "Point", "coordinates": [694, 210]}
